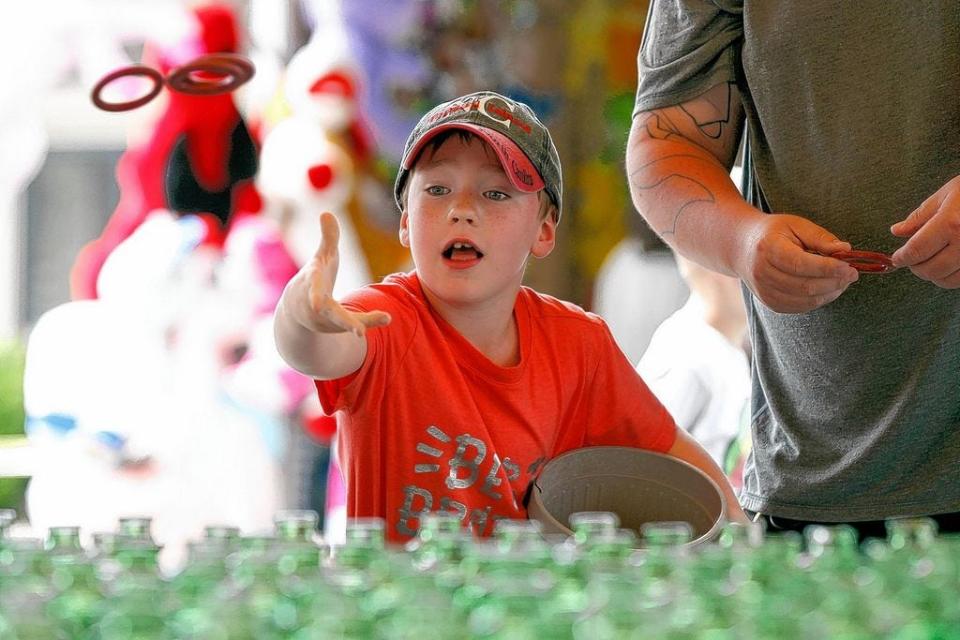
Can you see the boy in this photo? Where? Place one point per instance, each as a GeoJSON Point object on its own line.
{"type": "Point", "coordinates": [477, 381]}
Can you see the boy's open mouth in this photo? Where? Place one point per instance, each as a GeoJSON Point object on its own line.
{"type": "Point", "coordinates": [461, 251]}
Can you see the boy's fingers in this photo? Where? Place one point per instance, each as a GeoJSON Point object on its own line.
{"type": "Point", "coordinates": [373, 318]}
{"type": "Point", "coordinates": [329, 236]}
{"type": "Point", "coordinates": [331, 314]}
{"type": "Point", "coordinates": [326, 260]}
{"type": "Point", "coordinates": [341, 317]}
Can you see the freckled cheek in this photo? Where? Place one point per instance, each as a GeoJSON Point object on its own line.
{"type": "Point", "coordinates": [419, 239]}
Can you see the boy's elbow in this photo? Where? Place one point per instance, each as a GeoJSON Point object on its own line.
{"type": "Point", "coordinates": [293, 346]}
{"type": "Point", "coordinates": [321, 356]}
{"type": "Point", "coordinates": [282, 339]}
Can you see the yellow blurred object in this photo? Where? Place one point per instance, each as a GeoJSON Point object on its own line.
{"type": "Point", "coordinates": [383, 251]}
{"type": "Point", "coordinates": [587, 25]}
{"type": "Point", "coordinates": [276, 110]}
{"type": "Point", "coordinates": [600, 223]}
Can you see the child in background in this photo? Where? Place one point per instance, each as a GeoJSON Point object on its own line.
{"type": "Point", "coordinates": [453, 384]}
{"type": "Point", "coordinates": [696, 364]}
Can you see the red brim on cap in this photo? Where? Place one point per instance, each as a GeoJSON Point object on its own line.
{"type": "Point", "coordinates": [521, 172]}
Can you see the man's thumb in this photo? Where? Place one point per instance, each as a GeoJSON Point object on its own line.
{"type": "Point", "coordinates": [819, 240]}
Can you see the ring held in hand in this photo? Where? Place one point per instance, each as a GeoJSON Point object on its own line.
{"type": "Point", "coordinates": [226, 71]}
{"type": "Point", "coordinates": [866, 261]}
{"type": "Point", "coordinates": [132, 70]}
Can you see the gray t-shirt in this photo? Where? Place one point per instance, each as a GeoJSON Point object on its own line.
{"type": "Point", "coordinates": [853, 112]}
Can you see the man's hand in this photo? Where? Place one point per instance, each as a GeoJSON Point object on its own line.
{"type": "Point", "coordinates": [315, 308]}
{"type": "Point", "coordinates": [783, 261]}
{"type": "Point", "coordinates": [933, 250]}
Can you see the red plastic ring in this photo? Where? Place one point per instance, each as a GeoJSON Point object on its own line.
{"type": "Point", "coordinates": [132, 70]}
{"type": "Point", "coordinates": [866, 261]}
{"type": "Point", "coordinates": [235, 70]}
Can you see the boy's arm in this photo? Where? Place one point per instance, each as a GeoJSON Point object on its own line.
{"type": "Point", "coordinates": [314, 333]}
{"type": "Point", "coordinates": [689, 450]}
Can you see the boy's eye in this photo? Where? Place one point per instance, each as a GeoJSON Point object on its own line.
{"type": "Point", "coordinates": [437, 190]}
{"type": "Point", "coordinates": [496, 195]}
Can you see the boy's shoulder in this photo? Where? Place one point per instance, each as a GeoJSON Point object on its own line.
{"type": "Point", "coordinates": [398, 292]}
{"type": "Point", "coordinates": [564, 315]}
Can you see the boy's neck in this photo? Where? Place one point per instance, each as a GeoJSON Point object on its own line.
{"type": "Point", "coordinates": [491, 329]}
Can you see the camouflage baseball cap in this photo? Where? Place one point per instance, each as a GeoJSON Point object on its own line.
{"type": "Point", "coordinates": [511, 128]}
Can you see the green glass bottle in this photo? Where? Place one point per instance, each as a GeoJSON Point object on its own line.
{"type": "Point", "coordinates": [296, 547]}
{"type": "Point", "coordinates": [26, 589]}
{"type": "Point", "coordinates": [917, 534]}
{"type": "Point", "coordinates": [410, 603]}
{"type": "Point", "coordinates": [928, 599]}
{"type": "Point", "coordinates": [246, 599]}
{"type": "Point", "coordinates": [79, 603]}
{"type": "Point", "coordinates": [104, 545]}
{"type": "Point", "coordinates": [205, 568]}
{"type": "Point", "coordinates": [63, 545]}
{"type": "Point", "coordinates": [138, 602]}
{"type": "Point", "coordinates": [228, 535]}
{"type": "Point", "coordinates": [364, 548]}
{"type": "Point", "coordinates": [194, 588]}
{"type": "Point", "coordinates": [7, 518]}
{"type": "Point", "coordinates": [609, 551]}
{"type": "Point", "coordinates": [338, 611]}
{"type": "Point", "coordinates": [510, 534]}
{"type": "Point", "coordinates": [440, 541]}
{"type": "Point", "coordinates": [135, 528]}
{"type": "Point", "coordinates": [586, 524]}
{"type": "Point", "coordinates": [514, 589]}
{"type": "Point", "coordinates": [296, 525]}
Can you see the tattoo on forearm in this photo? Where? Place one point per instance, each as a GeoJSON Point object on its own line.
{"type": "Point", "coordinates": [659, 126]}
{"type": "Point", "coordinates": [710, 116]}
{"type": "Point", "coordinates": [695, 190]}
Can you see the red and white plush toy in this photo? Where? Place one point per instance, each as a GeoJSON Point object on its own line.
{"type": "Point", "coordinates": [305, 167]}
{"type": "Point", "coordinates": [314, 161]}
{"type": "Point", "coordinates": [197, 153]}
{"type": "Point", "coordinates": [141, 399]}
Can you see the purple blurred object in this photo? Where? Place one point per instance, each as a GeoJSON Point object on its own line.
{"type": "Point", "coordinates": [381, 36]}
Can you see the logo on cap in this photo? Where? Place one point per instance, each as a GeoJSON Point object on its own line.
{"type": "Point", "coordinates": [484, 107]}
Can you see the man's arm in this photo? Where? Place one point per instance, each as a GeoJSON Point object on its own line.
{"type": "Point", "coordinates": [314, 334]}
{"type": "Point", "coordinates": [678, 161]}
{"type": "Point", "coordinates": [933, 249]}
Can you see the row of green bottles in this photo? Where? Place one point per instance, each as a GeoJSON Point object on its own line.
{"type": "Point", "coordinates": [603, 582]}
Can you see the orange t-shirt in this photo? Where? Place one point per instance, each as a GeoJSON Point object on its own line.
{"type": "Point", "coordinates": [428, 423]}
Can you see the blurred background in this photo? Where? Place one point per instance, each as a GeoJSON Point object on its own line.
{"type": "Point", "coordinates": [142, 251]}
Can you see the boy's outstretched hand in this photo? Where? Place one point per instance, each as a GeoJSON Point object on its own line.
{"type": "Point", "coordinates": [317, 310]}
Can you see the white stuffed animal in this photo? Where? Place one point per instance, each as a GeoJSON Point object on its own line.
{"type": "Point", "coordinates": [126, 402]}
{"type": "Point", "coordinates": [304, 170]}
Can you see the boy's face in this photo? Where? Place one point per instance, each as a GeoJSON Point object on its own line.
{"type": "Point", "coordinates": [469, 229]}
